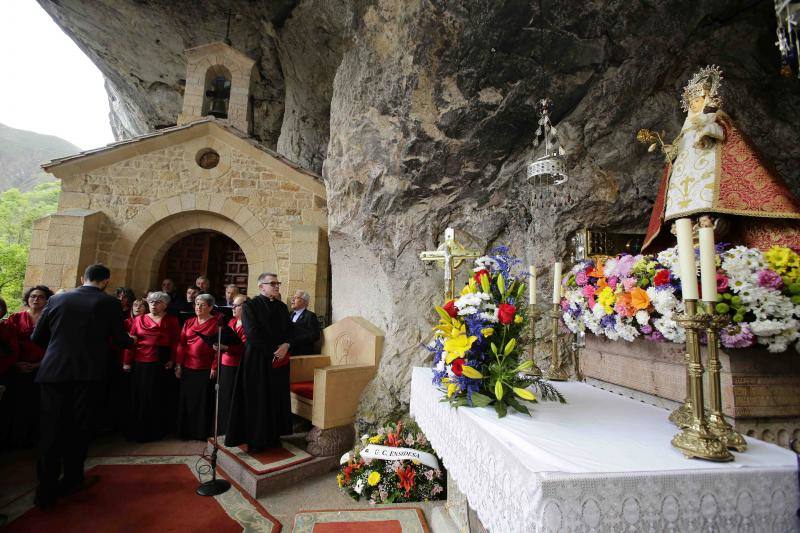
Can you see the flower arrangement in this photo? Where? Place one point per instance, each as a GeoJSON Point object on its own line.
{"type": "Point", "coordinates": [477, 345]}
{"type": "Point", "coordinates": [629, 296]}
{"type": "Point", "coordinates": [391, 478]}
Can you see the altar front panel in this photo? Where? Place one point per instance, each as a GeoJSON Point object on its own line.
{"type": "Point", "coordinates": [600, 462]}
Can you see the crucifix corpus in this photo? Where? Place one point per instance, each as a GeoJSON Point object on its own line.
{"type": "Point", "coordinates": [450, 255]}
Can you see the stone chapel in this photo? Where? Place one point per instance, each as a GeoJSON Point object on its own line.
{"type": "Point", "coordinates": [202, 197]}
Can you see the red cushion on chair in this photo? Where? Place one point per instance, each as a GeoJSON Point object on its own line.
{"type": "Point", "coordinates": [303, 388]}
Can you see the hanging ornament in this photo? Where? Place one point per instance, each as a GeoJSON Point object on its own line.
{"type": "Point", "coordinates": [548, 172]}
{"type": "Point", "coordinates": [788, 14]}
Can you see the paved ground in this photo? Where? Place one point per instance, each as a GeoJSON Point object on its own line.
{"type": "Point", "coordinates": [18, 476]}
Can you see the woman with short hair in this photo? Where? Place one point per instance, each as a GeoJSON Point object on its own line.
{"type": "Point", "coordinates": [194, 362]}
{"type": "Point", "coordinates": [229, 364]}
{"type": "Point", "coordinates": [22, 393]}
{"type": "Point", "coordinates": [150, 362]}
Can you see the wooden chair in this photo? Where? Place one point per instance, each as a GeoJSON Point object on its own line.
{"type": "Point", "coordinates": [326, 388]}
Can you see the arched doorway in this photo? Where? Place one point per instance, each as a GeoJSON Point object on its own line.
{"type": "Point", "coordinates": [208, 253]}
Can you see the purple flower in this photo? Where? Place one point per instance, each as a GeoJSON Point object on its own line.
{"type": "Point", "coordinates": [737, 336]}
{"type": "Point", "coordinates": [625, 265]}
{"type": "Point", "coordinates": [581, 278]}
{"type": "Point", "coordinates": [647, 329]}
{"type": "Point", "coordinates": [769, 279]}
{"type": "Point", "coordinates": [608, 322]}
{"type": "Point", "coordinates": [628, 283]}
{"type": "Point", "coordinates": [656, 336]}
{"type": "Point", "coordinates": [612, 282]}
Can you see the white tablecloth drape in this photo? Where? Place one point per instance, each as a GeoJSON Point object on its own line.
{"type": "Point", "coordinates": [602, 462]}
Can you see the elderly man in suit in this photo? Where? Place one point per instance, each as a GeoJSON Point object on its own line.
{"type": "Point", "coordinates": [77, 328]}
{"type": "Point", "coordinates": [305, 325]}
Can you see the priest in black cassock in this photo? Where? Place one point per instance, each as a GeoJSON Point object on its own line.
{"type": "Point", "coordinates": [260, 408]}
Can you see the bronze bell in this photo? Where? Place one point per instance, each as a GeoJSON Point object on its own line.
{"type": "Point", "coordinates": [219, 94]}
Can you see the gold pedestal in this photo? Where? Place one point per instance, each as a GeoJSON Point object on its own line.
{"type": "Point", "coordinates": [696, 440]}
{"type": "Point", "coordinates": [682, 416]}
{"type": "Point", "coordinates": [556, 371]}
{"type": "Point", "coordinates": [533, 318]}
{"type": "Point", "coordinates": [716, 420]}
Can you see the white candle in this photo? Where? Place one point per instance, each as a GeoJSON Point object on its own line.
{"type": "Point", "coordinates": [532, 286]}
{"type": "Point", "coordinates": [688, 265]}
{"type": "Point", "coordinates": [557, 283]}
{"type": "Point", "coordinates": [449, 234]}
{"type": "Point", "coordinates": [708, 265]}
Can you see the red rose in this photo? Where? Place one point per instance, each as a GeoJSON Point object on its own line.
{"type": "Point", "coordinates": [505, 313]}
{"type": "Point", "coordinates": [480, 273]}
{"type": "Point", "coordinates": [661, 277]}
{"type": "Point", "coordinates": [458, 366]}
{"type": "Point", "coordinates": [451, 309]}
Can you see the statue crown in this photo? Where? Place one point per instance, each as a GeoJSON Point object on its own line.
{"type": "Point", "coordinates": [705, 82]}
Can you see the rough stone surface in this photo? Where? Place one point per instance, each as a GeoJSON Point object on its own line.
{"type": "Point", "coordinates": [424, 112]}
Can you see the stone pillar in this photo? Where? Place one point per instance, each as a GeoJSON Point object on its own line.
{"type": "Point", "coordinates": [308, 266]}
{"type": "Point", "coordinates": [62, 246]}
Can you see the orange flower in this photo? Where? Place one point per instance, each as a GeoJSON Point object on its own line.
{"type": "Point", "coordinates": [639, 299]}
{"type": "Point", "coordinates": [623, 305]}
{"type": "Point", "coordinates": [597, 271]}
{"type": "Point", "coordinates": [406, 476]}
{"type": "Point", "coordinates": [601, 284]}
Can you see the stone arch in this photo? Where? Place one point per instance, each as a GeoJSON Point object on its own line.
{"type": "Point", "coordinates": [146, 238]}
{"type": "Point", "coordinates": [212, 73]}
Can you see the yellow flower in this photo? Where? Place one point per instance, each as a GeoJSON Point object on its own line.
{"type": "Point", "coordinates": [340, 479]}
{"type": "Point", "coordinates": [373, 478]}
{"type": "Point", "coordinates": [606, 298]}
{"type": "Point", "coordinates": [487, 332]}
{"type": "Point", "coordinates": [518, 319]}
{"type": "Point", "coordinates": [471, 372]}
{"type": "Point", "coordinates": [468, 289]}
{"type": "Point", "coordinates": [451, 389]}
{"type": "Point", "coordinates": [458, 343]}
{"type": "Point", "coordinates": [376, 439]}
{"type": "Point", "coordinates": [781, 259]}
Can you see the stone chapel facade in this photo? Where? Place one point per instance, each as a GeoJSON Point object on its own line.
{"type": "Point", "coordinates": [133, 205]}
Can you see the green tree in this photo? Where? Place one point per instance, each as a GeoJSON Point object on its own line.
{"type": "Point", "coordinates": [18, 211]}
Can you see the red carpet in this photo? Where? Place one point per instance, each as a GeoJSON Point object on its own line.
{"type": "Point", "coordinates": [377, 520]}
{"type": "Point", "coordinates": [143, 497]}
{"type": "Point", "coordinates": [269, 460]}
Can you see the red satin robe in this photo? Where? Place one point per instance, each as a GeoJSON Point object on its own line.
{"type": "Point", "coordinates": [234, 354]}
{"type": "Point", "coordinates": [22, 325]}
{"type": "Point", "coordinates": [150, 335]}
{"type": "Point", "coordinates": [192, 351]}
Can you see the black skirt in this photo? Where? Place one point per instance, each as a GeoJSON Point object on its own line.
{"type": "Point", "coordinates": [146, 419]}
{"type": "Point", "coordinates": [20, 411]}
{"type": "Point", "coordinates": [227, 379]}
{"type": "Point", "coordinates": [170, 388]}
{"type": "Point", "coordinates": [195, 402]}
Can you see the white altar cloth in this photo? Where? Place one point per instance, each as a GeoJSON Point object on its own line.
{"type": "Point", "coordinates": [601, 462]}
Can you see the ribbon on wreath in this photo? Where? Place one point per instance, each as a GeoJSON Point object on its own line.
{"type": "Point", "coordinates": [389, 453]}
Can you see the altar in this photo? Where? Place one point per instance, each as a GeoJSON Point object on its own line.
{"type": "Point", "coordinates": [600, 462]}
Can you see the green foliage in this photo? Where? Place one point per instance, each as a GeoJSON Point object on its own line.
{"type": "Point", "coordinates": [18, 211]}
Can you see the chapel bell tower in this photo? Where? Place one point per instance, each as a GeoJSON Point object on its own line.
{"type": "Point", "coordinates": [217, 84]}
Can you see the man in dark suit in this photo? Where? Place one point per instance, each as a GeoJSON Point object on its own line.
{"type": "Point", "coordinates": [77, 327]}
{"type": "Point", "coordinates": [305, 325]}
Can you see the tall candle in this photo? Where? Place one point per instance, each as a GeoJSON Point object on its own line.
{"type": "Point", "coordinates": [532, 286]}
{"type": "Point", "coordinates": [557, 283]}
{"type": "Point", "coordinates": [708, 265]}
{"type": "Point", "coordinates": [687, 262]}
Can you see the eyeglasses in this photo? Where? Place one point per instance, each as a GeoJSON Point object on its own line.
{"type": "Point", "coordinates": [271, 283]}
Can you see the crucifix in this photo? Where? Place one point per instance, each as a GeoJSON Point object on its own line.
{"type": "Point", "coordinates": [450, 254]}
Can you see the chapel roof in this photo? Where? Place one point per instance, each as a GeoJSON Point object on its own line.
{"type": "Point", "coordinates": [109, 149]}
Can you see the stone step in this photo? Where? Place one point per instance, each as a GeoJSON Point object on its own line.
{"type": "Point", "coordinates": [258, 485]}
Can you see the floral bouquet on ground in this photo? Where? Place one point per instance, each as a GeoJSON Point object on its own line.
{"type": "Point", "coordinates": [395, 465]}
{"type": "Point", "coordinates": [477, 346]}
{"type": "Point", "coordinates": [630, 296]}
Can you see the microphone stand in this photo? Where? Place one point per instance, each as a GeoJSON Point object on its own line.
{"type": "Point", "coordinates": [215, 486]}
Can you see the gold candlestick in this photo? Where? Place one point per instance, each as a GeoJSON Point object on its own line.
{"type": "Point", "coordinates": [682, 416]}
{"type": "Point", "coordinates": [556, 372]}
{"type": "Point", "coordinates": [696, 440]}
{"type": "Point", "coordinates": [533, 317]}
{"type": "Point", "coordinates": [716, 420]}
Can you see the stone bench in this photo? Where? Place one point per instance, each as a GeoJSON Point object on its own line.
{"type": "Point", "coordinates": [326, 388]}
